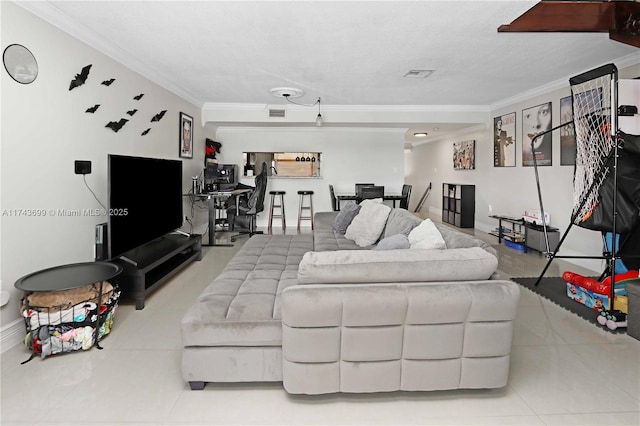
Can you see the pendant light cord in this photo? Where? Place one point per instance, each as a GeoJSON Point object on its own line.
{"type": "Point", "coordinates": [286, 97]}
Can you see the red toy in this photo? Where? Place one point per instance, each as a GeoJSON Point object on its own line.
{"type": "Point", "coordinates": [596, 286]}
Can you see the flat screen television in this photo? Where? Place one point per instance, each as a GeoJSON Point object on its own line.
{"type": "Point", "coordinates": [145, 201]}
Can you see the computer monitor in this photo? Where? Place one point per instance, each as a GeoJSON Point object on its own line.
{"type": "Point", "coordinates": [220, 176]}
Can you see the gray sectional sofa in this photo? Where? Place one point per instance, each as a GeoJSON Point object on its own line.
{"type": "Point", "coordinates": [323, 315]}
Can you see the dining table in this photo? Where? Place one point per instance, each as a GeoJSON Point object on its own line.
{"type": "Point", "coordinates": [393, 197]}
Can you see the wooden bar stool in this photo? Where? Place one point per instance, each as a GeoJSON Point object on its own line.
{"type": "Point", "coordinates": [280, 206]}
{"type": "Point", "coordinates": [302, 207]}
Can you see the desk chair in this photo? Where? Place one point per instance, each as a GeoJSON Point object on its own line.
{"type": "Point", "coordinates": [252, 205]}
{"type": "Point", "coordinates": [406, 194]}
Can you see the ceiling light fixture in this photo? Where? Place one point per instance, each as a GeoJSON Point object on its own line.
{"type": "Point", "coordinates": [420, 134]}
{"type": "Point", "coordinates": [289, 92]}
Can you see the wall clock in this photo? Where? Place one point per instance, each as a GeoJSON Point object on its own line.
{"type": "Point", "coordinates": [20, 63]}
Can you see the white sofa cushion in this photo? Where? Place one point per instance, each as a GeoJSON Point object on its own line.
{"type": "Point", "coordinates": [426, 236]}
{"type": "Point", "coordinates": [367, 226]}
{"type": "Point", "coordinates": [396, 266]}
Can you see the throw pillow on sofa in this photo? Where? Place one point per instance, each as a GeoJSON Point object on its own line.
{"type": "Point", "coordinates": [367, 226]}
{"type": "Point", "coordinates": [400, 221]}
{"type": "Point", "coordinates": [394, 242]}
{"type": "Point", "coordinates": [345, 217]}
{"type": "Point", "coordinates": [426, 236]}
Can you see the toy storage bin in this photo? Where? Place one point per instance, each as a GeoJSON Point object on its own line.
{"type": "Point", "coordinates": [66, 321]}
{"type": "Point", "coordinates": [633, 316]}
{"type": "Point", "coordinates": [591, 299]}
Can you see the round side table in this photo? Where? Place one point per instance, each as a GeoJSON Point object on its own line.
{"type": "Point", "coordinates": [65, 277]}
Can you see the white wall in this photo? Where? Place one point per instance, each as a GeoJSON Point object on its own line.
{"type": "Point", "coordinates": [348, 156]}
{"type": "Point", "coordinates": [509, 190]}
{"type": "Point", "coordinates": [45, 128]}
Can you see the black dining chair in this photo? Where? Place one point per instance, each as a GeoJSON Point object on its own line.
{"type": "Point", "coordinates": [334, 201]}
{"type": "Point", "coordinates": [359, 186]}
{"type": "Point", "coordinates": [369, 192]}
{"type": "Point", "coordinates": [406, 194]}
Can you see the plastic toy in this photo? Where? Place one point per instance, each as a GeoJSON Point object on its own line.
{"type": "Point", "coordinates": [612, 319]}
{"type": "Point", "coordinates": [593, 293]}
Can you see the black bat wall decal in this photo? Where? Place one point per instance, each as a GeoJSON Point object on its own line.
{"type": "Point", "coordinates": [93, 108]}
{"type": "Point", "coordinates": [137, 98]}
{"type": "Point", "coordinates": [158, 116]}
{"type": "Point", "coordinates": [81, 78]}
{"type": "Point", "coordinates": [108, 82]}
{"type": "Point", "coordinates": [116, 125]}
{"type": "Point", "coordinates": [133, 111]}
{"type": "Point", "coordinates": [145, 132]}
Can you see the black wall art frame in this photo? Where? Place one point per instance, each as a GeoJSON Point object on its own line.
{"type": "Point", "coordinates": [535, 120]}
{"type": "Point", "coordinates": [567, 133]}
{"type": "Point", "coordinates": [186, 135]}
{"type": "Point", "coordinates": [504, 140]}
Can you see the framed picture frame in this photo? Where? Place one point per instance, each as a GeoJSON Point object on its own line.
{"type": "Point", "coordinates": [464, 155]}
{"type": "Point", "coordinates": [504, 140]}
{"type": "Point", "coordinates": [185, 136]}
{"type": "Point", "coordinates": [535, 120]}
{"type": "Point", "coordinates": [567, 133]}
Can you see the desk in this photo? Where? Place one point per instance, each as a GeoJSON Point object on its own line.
{"type": "Point", "coordinates": [213, 198]}
{"type": "Point", "coordinates": [354, 197]}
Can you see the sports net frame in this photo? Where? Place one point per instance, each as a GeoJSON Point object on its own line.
{"type": "Point", "coordinates": [594, 94]}
{"type": "Point", "coordinates": [595, 124]}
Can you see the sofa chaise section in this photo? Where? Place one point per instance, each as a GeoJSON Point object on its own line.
{"type": "Point", "coordinates": [389, 337]}
{"type": "Point", "coordinates": [233, 332]}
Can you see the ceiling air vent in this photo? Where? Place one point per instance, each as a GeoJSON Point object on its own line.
{"type": "Point", "coordinates": [418, 74]}
{"type": "Point", "coordinates": [276, 112]}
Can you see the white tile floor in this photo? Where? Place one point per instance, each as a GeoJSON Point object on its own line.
{"type": "Point", "coordinates": [564, 371]}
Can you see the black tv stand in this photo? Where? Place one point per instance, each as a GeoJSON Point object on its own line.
{"type": "Point", "coordinates": [150, 265]}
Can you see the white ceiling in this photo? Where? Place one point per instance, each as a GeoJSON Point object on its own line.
{"type": "Point", "coordinates": [348, 53]}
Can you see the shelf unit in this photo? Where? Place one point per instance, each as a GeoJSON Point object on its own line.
{"type": "Point", "coordinates": [459, 204]}
{"type": "Point", "coordinates": [529, 235]}
{"type": "Point", "coordinates": [513, 231]}
{"type": "Point", "coordinates": [147, 267]}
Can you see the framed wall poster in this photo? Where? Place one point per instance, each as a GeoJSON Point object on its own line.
{"type": "Point", "coordinates": [504, 140]}
{"type": "Point", "coordinates": [186, 135]}
{"type": "Point", "coordinates": [464, 155]}
{"type": "Point", "coordinates": [535, 120]}
{"type": "Point", "coordinates": [567, 133]}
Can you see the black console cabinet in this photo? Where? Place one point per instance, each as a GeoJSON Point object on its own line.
{"type": "Point", "coordinates": [147, 267]}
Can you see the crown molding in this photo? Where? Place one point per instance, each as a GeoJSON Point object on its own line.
{"type": "Point", "coordinates": [48, 12]}
{"type": "Point", "coordinates": [228, 106]}
{"type": "Point", "coordinates": [625, 61]}
{"type": "Point", "coordinates": [256, 129]}
{"type": "Point", "coordinates": [350, 108]}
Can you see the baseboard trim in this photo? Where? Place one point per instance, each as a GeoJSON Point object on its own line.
{"type": "Point", "coordinates": [11, 335]}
